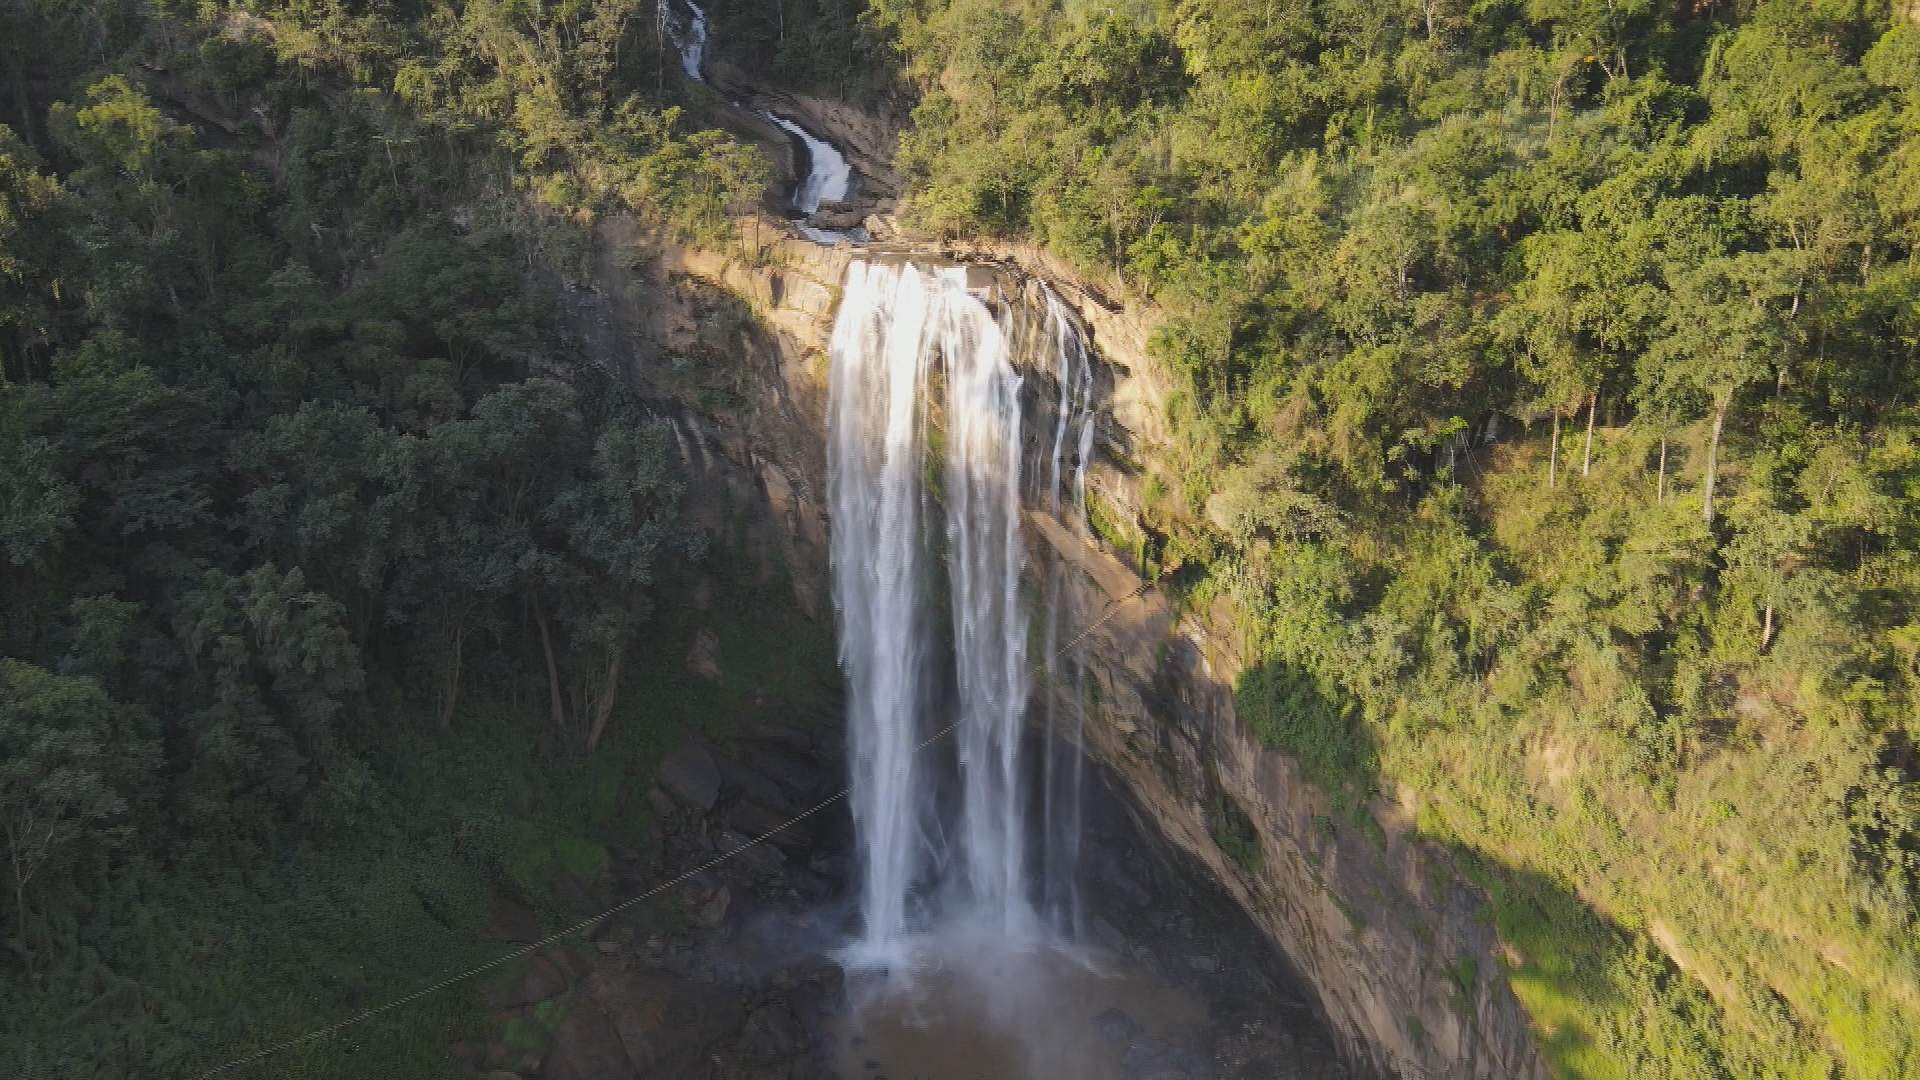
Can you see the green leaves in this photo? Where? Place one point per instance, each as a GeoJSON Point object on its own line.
{"type": "Point", "coordinates": [71, 758]}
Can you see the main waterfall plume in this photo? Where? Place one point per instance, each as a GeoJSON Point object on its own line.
{"type": "Point", "coordinates": [922, 368]}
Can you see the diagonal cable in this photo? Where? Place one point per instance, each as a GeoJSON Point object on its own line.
{"type": "Point", "coordinates": [338, 1026]}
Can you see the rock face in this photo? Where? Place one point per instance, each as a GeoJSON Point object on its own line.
{"type": "Point", "coordinates": [1377, 922]}
{"type": "Point", "coordinates": [690, 775]}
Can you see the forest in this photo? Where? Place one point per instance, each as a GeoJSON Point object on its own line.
{"type": "Point", "coordinates": [302, 493]}
{"type": "Point", "coordinates": [1547, 406]}
{"type": "Point", "coordinates": [1546, 390]}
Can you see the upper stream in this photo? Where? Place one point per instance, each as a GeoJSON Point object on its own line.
{"type": "Point", "coordinates": [828, 177]}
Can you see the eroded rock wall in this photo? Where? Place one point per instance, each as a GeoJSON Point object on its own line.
{"type": "Point", "coordinates": [1400, 952]}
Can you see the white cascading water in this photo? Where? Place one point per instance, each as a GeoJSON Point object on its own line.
{"type": "Point", "coordinates": [828, 174]}
{"type": "Point", "coordinates": [902, 331]}
{"type": "Point", "coordinates": [877, 438]}
{"type": "Point", "coordinates": [1062, 780]}
{"type": "Point", "coordinates": [985, 558]}
{"type": "Point", "coordinates": [693, 42]}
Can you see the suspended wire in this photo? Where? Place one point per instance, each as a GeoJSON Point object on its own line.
{"type": "Point", "coordinates": [1113, 608]}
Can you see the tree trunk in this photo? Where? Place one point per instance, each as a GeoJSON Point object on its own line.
{"type": "Point", "coordinates": [604, 711]}
{"type": "Point", "coordinates": [1553, 453]}
{"type": "Point", "coordinates": [16, 842]}
{"type": "Point", "coordinates": [1713, 454]}
{"type": "Point", "coordinates": [20, 907]}
{"type": "Point", "coordinates": [1586, 457]}
{"type": "Point", "coordinates": [1766, 628]}
{"type": "Point", "coordinates": [1660, 492]}
{"type": "Point", "coordinates": [452, 692]}
{"type": "Point", "coordinates": [553, 669]}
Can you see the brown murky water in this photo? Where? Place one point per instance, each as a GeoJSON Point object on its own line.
{"type": "Point", "coordinates": [980, 1010]}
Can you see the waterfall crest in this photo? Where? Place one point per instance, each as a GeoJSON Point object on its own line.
{"type": "Point", "coordinates": [923, 368]}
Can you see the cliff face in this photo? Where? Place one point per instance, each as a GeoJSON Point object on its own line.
{"type": "Point", "coordinates": [1405, 964]}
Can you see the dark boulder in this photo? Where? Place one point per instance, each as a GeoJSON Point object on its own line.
{"type": "Point", "coordinates": [690, 775]}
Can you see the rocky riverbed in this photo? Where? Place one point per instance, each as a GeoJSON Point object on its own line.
{"type": "Point", "coordinates": [733, 976]}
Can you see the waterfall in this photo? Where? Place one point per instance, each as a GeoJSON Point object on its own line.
{"type": "Point", "coordinates": [828, 174]}
{"type": "Point", "coordinates": [985, 558]}
{"type": "Point", "coordinates": [906, 336]}
{"type": "Point", "coordinates": [829, 177]}
{"type": "Point", "coordinates": [1062, 781]}
{"type": "Point", "coordinates": [693, 42]}
{"type": "Point", "coordinates": [877, 439]}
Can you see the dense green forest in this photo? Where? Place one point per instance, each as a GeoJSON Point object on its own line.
{"type": "Point", "coordinates": [323, 561]}
{"type": "Point", "coordinates": [1547, 402]}
{"type": "Point", "coordinates": [1548, 399]}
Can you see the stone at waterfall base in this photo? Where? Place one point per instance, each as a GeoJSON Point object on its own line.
{"type": "Point", "coordinates": [690, 775]}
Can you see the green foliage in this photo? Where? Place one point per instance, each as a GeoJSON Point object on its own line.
{"type": "Point", "coordinates": [1657, 683]}
{"type": "Point", "coordinates": [1233, 831]}
{"type": "Point", "coordinates": [320, 608]}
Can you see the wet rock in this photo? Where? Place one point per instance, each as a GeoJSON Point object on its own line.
{"type": "Point", "coordinates": [830, 867]}
{"type": "Point", "coordinates": [808, 887]}
{"type": "Point", "coordinates": [663, 1023]}
{"type": "Point", "coordinates": [772, 1034]}
{"type": "Point", "coordinates": [511, 920]}
{"type": "Point", "coordinates": [660, 803]}
{"type": "Point", "coordinates": [1117, 1027]}
{"type": "Point", "coordinates": [690, 775]}
{"type": "Point", "coordinates": [1203, 963]}
{"type": "Point", "coordinates": [781, 735]}
{"type": "Point", "coordinates": [762, 858]}
{"type": "Point", "coordinates": [703, 655]}
{"type": "Point", "coordinates": [754, 819]}
{"type": "Point", "coordinates": [1113, 874]}
{"type": "Point", "coordinates": [833, 215]}
{"type": "Point", "coordinates": [713, 911]}
{"type": "Point", "coordinates": [1143, 956]}
{"type": "Point", "coordinates": [585, 1046]}
{"type": "Point", "coordinates": [1155, 1059]}
{"type": "Point", "coordinates": [581, 894]}
{"type": "Point", "coordinates": [756, 786]}
{"type": "Point", "coordinates": [821, 981]}
{"type": "Point", "coordinates": [795, 773]}
{"type": "Point", "coordinates": [543, 979]}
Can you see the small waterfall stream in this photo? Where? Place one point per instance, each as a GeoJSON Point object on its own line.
{"type": "Point", "coordinates": [693, 41]}
{"type": "Point", "coordinates": [828, 174]}
{"type": "Point", "coordinates": [828, 179]}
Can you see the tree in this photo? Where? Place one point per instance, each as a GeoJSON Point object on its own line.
{"type": "Point", "coordinates": [68, 757]}
{"type": "Point", "coordinates": [1767, 549]}
{"type": "Point", "coordinates": [273, 672]}
{"type": "Point", "coordinates": [492, 474]}
{"type": "Point", "coordinates": [30, 201]}
{"type": "Point", "coordinates": [619, 519]}
{"type": "Point", "coordinates": [1541, 327]}
{"type": "Point", "coordinates": [1729, 323]}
